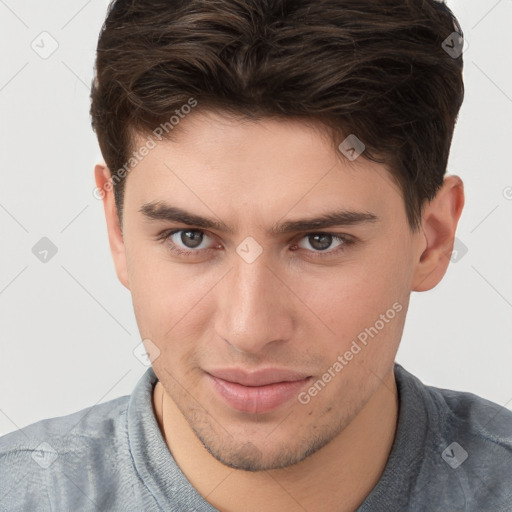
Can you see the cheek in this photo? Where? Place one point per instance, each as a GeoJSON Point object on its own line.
{"type": "Point", "coordinates": [348, 295]}
{"type": "Point", "coordinates": [170, 302]}
{"type": "Point", "coordinates": [157, 289]}
{"type": "Point", "coordinates": [363, 302]}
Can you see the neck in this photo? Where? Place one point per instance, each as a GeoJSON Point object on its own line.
{"type": "Point", "coordinates": [337, 477]}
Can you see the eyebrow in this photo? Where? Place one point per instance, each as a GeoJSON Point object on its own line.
{"type": "Point", "coordinates": [163, 211]}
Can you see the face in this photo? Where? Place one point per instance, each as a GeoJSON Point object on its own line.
{"type": "Point", "coordinates": [270, 340]}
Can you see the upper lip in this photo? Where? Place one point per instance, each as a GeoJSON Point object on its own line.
{"type": "Point", "coordinates": [260, 377]}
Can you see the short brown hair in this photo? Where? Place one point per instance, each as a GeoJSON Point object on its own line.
{"type": "Point", "coordinates": [373, 68]}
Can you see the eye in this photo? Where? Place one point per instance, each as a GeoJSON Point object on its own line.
{"type": "Point", "coordinates": [192, 242]}
{"type": "Point", "coordinates": [185, 241]}
{"type": "Point", "coordinates": [323, 242]}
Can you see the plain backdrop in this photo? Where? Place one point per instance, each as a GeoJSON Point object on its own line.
{"type": "Point", "coordinates": [67, 328]}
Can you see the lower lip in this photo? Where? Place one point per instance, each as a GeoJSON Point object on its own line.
{"type": "Point", "coordinates": [256, 399]}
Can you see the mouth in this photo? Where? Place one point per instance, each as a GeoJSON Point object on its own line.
{"type": "Point", "coordinates": [256, 392]}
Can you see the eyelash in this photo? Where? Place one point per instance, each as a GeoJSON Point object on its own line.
{"type": "Point", "coordinates": [347, 240]}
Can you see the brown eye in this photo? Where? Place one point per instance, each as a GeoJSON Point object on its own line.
{"type": "Point", "coordinates": [191, 239]}
{"type": "Point", "coordinates": [323, 242]}
{"type": "Point", "coordinates": [185, 242]}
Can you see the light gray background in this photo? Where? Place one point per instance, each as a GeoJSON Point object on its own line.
{"type": "Point", "coordinates": [67, 326]}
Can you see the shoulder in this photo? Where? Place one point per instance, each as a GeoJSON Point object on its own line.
{"type": "Point", "coordinates": [84, 427]}
{"type": "Point", "coordinates": [468, 451]}
{"type": "Point", "coordinates": [60, 453]}
{"type": "Point", "coordinates": [486, 425]}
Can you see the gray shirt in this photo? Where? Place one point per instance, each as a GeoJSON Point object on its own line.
{"type": "Point", "coordinates": [452, 452]}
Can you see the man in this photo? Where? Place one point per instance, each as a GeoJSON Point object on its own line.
{"type": "Point", "coordinates": [274, 189]}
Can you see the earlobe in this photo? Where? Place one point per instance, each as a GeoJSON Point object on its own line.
{"type": "Point", "coordinates": [105, 191]}
{"type": "Point", "coordinates": [439, 223]}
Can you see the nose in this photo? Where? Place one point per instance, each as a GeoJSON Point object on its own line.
{"type": "Point", "coordinates": [254, 307]}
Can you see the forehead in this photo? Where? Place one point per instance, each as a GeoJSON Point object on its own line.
{"type": "Point", "coordinates": [244, 166]}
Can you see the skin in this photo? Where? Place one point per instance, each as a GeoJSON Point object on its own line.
{"type": "Point", "coordinates": [298, 306]}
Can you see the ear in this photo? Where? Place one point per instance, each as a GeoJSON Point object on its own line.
{"type": "Point", "coordinates": [439, 222]}
{"type": "Point", "coordinates": [117, 248]}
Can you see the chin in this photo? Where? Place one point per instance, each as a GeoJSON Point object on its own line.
{"type": "Point", "coordinates": [246, 455]}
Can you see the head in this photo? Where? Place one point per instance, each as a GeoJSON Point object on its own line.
{"type": "Point", "coordinates": [275, 187]}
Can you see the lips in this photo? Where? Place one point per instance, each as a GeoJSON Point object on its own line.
{"type": "Point", "coordinates": [259, 377]}
{"type": "Point", "coordinates": [256, 392]}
